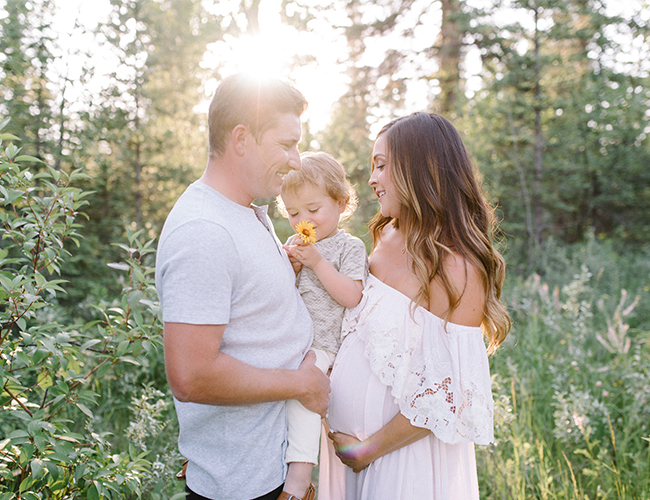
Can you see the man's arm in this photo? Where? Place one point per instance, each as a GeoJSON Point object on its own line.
{"type": "Point", "coordinates": [198, 372]}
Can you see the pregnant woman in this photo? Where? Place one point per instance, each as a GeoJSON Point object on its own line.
{"type": "Point", "coordinates": [411, 384]}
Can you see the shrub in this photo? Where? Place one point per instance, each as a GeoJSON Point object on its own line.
{"type": "Point", "coordinates": [49, 366]}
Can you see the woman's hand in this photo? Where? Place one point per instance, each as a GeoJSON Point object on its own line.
{"type": "Point", "coordinates": [353, 452]}
{"type": "Point", "coordinates": [358, 455]}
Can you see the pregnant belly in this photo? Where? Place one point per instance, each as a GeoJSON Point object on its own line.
{"type": "Point", "coordinates": [359, 403]}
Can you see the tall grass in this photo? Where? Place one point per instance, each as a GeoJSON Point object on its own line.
{"type": "Point", "coordinates": [572, 381]}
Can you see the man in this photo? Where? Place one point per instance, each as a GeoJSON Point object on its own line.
{"type": "Point", "coordinates": [236, 330]}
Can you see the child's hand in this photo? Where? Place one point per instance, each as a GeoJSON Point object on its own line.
{"type": "Point", "coordinates": [294, 239]}
{"type": "Point", "coordinates": [295, 263]}
{"type": "Point", "coordinates": [307, 255]}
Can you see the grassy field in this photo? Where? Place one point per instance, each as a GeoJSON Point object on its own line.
{"type": "Point", "coordinates": [572, 381]}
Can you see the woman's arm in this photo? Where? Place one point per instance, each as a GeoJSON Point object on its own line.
{"type": "Point", "coordinates": [397, 433]}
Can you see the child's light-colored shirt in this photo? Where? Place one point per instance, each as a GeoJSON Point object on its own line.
{"type": "Point", "coordinates": [348, 255]}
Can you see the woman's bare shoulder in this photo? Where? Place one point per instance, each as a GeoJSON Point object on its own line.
{"type": "Point", "coordinates": [467, 281]}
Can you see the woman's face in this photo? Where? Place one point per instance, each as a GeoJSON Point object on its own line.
{"type": "Point", "coordinates": [381, 181]}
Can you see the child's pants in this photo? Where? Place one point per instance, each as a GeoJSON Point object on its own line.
{"type": "Point", "coordinates": [304, 425]}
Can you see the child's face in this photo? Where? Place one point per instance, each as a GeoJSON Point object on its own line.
{"type": "Point", "coordinates": [313, 204]}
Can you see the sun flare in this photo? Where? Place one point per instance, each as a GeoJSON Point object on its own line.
{"type": "Point", "coordinates": [272, 53]}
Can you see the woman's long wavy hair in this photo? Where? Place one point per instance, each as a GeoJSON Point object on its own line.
{"type": "Point", "coordinates": [443, 211]}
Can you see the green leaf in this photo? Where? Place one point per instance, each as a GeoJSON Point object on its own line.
{"type": "Point", "coordinates": [19, 433]}
{"type": "Point", "coordinates": [134, 298]}
{"type": "Point", "coordinates": [79, 472]}
{"type": "Point", "coordinates": [92, 493]}
{"type": "Point", "coordinates": [34, 426]}
{"type": "Point", "coordinates": [122, 348]}
{"type": "Point", "coordinates": [136, 347]}
{"type": "Point", "coordinates": [84, 409]}
{"type": "Point", "coordinates": [53, 469]}
{"type": "Point", "coordinates": [36, 466]}
{"type": "Point", "coordinates": [27, 158]}
{"type": "Point", "coordinates": [27, 482]}
{"type": "Point", "coordinates": [88, 344]}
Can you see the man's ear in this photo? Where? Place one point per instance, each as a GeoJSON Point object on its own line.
{"type": "Point", "coordinates": [240, 135]}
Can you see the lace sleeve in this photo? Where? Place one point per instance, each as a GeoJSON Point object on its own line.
{"type": "Point", "coordinates": [439, 378]}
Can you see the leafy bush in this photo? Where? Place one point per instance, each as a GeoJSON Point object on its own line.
{"type": "Point", "coordinates": [51, 368]}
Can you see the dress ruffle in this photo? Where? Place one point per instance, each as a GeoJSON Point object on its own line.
{"type": "Point", "coordinates": [439, 376]}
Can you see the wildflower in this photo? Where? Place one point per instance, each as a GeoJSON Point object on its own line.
{"type": "Point", "coordinates": [579, 420]}
{"type": "Point", "coordinates": [306, 231]}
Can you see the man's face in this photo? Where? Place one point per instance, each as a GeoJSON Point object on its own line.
{"type": "Point", "coordinates": [273, 156]}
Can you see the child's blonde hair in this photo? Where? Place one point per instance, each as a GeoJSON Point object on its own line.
{"type": "Point", "coordinates": [318, 169]}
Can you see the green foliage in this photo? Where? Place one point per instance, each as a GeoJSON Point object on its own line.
{"type": "Point", "coordinates": [571, 382]}
{"type": "Point", "coordinates": [50, 367]}
{"type": "Point", "coordinates": [25, 95]}
{"type": "Point", "coordinates": [559, 131]}
{"type": "Point", "coordinates": [140, 138]}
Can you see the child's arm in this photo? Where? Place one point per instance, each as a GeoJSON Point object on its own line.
{"type": "Point", "coordinates": [341, 288]}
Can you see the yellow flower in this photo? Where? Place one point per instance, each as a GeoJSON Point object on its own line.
{"type": "Point", "coordinates": [306, 231]}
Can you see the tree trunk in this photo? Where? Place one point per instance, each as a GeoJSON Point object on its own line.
{"type": "Point", "coordinates": [449, 56]}
{"type": "Point", "coordinates": [539, 144]}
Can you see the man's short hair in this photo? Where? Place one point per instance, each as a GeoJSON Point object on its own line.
{"type": "Point", "coordinates": [255, 103]}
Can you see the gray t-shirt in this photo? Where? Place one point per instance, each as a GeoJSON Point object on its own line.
{"type": "Point", "coordinates": [217, 264]}
{"type": "Point", "coordinates": [348, 255]}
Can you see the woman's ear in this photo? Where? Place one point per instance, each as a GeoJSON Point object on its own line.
{"type": "Point", "coordinates": [240, 136]}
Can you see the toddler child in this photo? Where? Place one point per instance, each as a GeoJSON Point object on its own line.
{"type": "Point", "coordinates": [333, 273]}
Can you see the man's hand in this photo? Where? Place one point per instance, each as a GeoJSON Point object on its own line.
{"type": "Point", "coordinates": [316, 396]}
{"type": "Point", "coordinates": [199, 373]}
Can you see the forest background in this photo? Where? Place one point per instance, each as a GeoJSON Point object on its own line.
{"type": "Point", "coordinates": [552, 98]}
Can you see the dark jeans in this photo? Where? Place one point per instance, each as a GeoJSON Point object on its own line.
{"type": "Point", "coordinates": [272, 495]}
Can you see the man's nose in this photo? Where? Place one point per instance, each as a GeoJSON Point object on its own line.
{"type": "Point", "coordinates": [294, 159]}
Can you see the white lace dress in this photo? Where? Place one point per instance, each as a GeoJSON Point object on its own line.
{"type": "Point", "coordinates": [391, 361]}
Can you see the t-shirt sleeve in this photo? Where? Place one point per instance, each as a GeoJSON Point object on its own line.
{"type": "Point", "coordinates": [354, 260]}
{"type": "Point", "coordinates": [197, 268]}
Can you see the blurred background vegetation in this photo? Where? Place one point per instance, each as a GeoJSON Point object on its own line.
{"type": "Point", "coordinates": [556, 117]}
